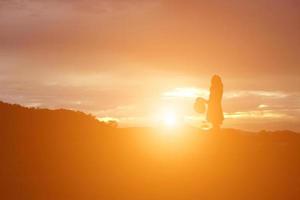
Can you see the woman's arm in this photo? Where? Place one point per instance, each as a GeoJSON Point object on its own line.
{"type": "Point", "coordinates": [204, 100]}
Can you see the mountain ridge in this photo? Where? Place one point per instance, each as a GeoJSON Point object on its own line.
{"type": "Point", "coordinates": [70, 155]}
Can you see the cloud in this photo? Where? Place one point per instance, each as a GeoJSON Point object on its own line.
{"type": "Point", "coordinates": [202, 37]}
{"type": "Point", "coordinates": [194, 92]}
{"type": "Point", "coordinates": [259, 93]}
{"type": "Point", "coordinates": [186, 93]}
{"type": "Point", "coordinates": [258, 115]}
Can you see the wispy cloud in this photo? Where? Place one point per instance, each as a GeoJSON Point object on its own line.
{"type": "Point", "coordinates": [189, 92]}
{"type": "Point", "coordinates": [193, 92]}
{"type": "Point", "coordinates": [259, 93]}
{"type": "Point", "coordinates": [258, 115]}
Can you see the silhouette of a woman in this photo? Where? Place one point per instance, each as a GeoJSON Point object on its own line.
{"type": "Point", "coordinates": [214, 111]}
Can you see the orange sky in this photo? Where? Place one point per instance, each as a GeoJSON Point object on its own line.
{"type": "Point", "coordinates": [129, 60]}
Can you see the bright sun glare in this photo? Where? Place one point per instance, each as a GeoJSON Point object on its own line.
{"type": "Point", "coordinates": [169, 119]}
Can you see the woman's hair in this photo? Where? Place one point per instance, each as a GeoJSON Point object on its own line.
{"type": "Point", "coordinates": [216, 82]}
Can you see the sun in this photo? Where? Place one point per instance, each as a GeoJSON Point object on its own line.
{"type": "Point", "coordinates": [169, 119]}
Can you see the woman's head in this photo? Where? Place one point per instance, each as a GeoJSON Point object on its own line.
{"type": "Point", "coordinates": [216, 81]}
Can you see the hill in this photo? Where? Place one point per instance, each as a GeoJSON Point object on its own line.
{"type": "Point", "coordinates": [61, 154]}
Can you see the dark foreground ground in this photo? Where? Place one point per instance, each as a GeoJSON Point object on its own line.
{"type": "Point", "coordinates": [68, 155]}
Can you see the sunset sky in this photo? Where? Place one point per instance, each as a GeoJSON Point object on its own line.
{"type": "Point", "coordinates": [137, 60]}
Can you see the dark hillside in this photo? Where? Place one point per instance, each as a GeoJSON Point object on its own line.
{"type": "Point", "coordinates": [64, 154]}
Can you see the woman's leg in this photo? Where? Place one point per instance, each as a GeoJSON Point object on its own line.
{"type": "Point", "coordinates": [216, 127]}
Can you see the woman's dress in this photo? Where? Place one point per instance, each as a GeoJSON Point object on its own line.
{"type": "Point", "coordinates": [214, 111]}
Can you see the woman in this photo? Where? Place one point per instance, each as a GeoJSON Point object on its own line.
{"type": "Point", "coordinates": [214, 111]}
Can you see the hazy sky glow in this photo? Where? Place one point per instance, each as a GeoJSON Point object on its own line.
{"type": "Point", "coordinates": [132, 59]}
